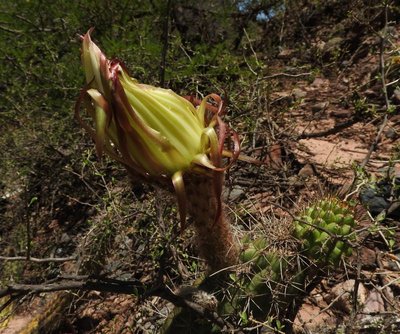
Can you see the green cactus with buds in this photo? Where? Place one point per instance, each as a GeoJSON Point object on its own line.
{"type": "Point", "coordinates": [323, 229]}
{"type": "Point", "coordinates": [271, 281]}
{"type": "Point", "coordinates": [281, 276]}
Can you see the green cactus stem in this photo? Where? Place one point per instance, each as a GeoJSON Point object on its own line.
{"type": "Point", "coordinates": [322, 227]}
{"type": "Point", "coordinates": [272, 282]}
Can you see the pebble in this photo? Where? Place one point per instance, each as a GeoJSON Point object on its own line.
{"type": "Point", "coordinates": [341, 113]}
{"type": "Point", "coordinates": [309, 319]}
{"type": "Point", "coordinates": [286, 54]}
{"type": "Point", "coordinates": [65, 238]}
{"type": "Point", "coordinates": [307, 171]}
{"type": "Point", "coordinates": [373, 201]}
{"type": "Point", "coordinates": [396, 96]}
{"type": "Point", "coordinates": [320, 82]}
{"type": "Point", "coordinates": [343, 294]}
{"type": "Point", "coordinates": [368, 258]}
{"type": "Point", "coordinates": [299, 93]}
{"type": "Point", "coordinates": [319, 106]}
{"type": "Point", "coordinates": [374, 303]}
{"type": "Point", "coordinates": [390, 133]}
{"type": "Point", "coordinates": [235, 193]}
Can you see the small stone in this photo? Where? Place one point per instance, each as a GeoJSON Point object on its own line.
{"type": "Point", "coordinates": [368, 258]}
{"type": "Point", "coordinates": [286, 54]}
{"type": "Point", "coordinates": [396, 96]}
{"type": "Point", "coordinates": [65, 238]}
{"type": "Point", "coordinates": [374, 202]}
{"type": "Point", "coordinates": [311, 319]}
{"type": "Point", "coordinates": [390, 133]}
{"type": "Point", "coordinates": [307, 171]}
{"type": "Point", "coordinates": [343, 293]}
{"type": "Point", "coordinates": [299, 93]}
{"type": "Point", "coordinates": [319, 83]}
{"type": "Point", "coordinates": [319, 106]}
{"type": "Point", "coordinates": [235, 193]}
{"type": "Point", "coordinates": [374, 303]}
{"type": "Point", "coordinates": [341, 113]}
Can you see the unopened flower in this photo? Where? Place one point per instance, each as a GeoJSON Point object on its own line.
{"type": "Point", "coordinates": [154, 132]}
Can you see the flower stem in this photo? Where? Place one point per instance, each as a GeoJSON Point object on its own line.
{"type": "Point", "coordinates": [214, 238]}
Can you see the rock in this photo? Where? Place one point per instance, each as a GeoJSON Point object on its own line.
{"type": "Point", "coordinates": [65, 238]}
{"type": "Point", "coordinates": [341, 113]}
{"type": "Point", "coordinates": [342, 295]}
{"type": "Point", "coordinates": [390, 133]}
{"type": "Point", "coordinates": [320, 83]}
{"type": "Point", "coordinates": [320, 106]}
{"type": "Point", "coordinates": [396, 96]}
{"type": "Point", "coordinates": [235, 193]}
{"type": "Point", "coordinates": [368, 258]}
{"type": "Point", "coordinates": [299, 93]}
{"type": "Point", "coordinates": [333, 44]}
{"type": "Point", "coordinates": [286, 54]}
{"type": "Point", "coordinates": [327, 153]}
{"type": "Point", "coordinates": [373, 201]}
{"type": "Point", "coordinates": [309, 319]}
{"type": "Point", "coordinates": [307, 171]}
{"type": "Point", "coordinates": [374, 303]}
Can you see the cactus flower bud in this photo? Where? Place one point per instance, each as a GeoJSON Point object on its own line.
{"type": "Point", "coordinates": [154, 132]}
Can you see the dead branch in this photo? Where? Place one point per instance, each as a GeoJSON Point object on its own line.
{"type": "Point", "coordinates": [37, 260]}
{"type": "Point", "coordinates": [87, 283]}
{"type": "Point", "coordinates": [84, 283]}
{"type": "Point", "coordinates": [283, 74]}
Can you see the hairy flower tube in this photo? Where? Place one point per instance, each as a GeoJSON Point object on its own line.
{"type": "Point", "coordinates": [157, 134]}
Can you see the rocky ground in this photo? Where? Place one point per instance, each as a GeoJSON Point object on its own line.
{"type": "Point", "coordinates": [317, 133]}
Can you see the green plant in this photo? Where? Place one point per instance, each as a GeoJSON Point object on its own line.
{"type": "Point", "coordinates": [270, 282]}
{"type": "Point", "coordinates": [323, 229]}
